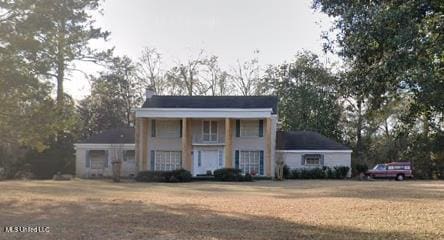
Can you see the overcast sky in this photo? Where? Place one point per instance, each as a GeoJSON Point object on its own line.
{"type": "Point", "coordinates": [230, 29]}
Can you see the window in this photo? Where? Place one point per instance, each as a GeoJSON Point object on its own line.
{"type": "Point", "coordinates": [249, 161]}
{"type": "Point", "coordinates": [97, 159]}
{"type": "Point", "coordinates": [129, 155]}
{"type": "Point", "coordinates": [168, 128]}
{"type": "Point", "coordinates": [380, 167]}
{"type": "Point", "coordinates": [249, 128]}
{"type": "Point", "coordinates": [209, 131]}
{"type": "Point", "coordinates": [398, 167]}
{"type": "Point", "coordinates": [312, 159]}
{"type": "Point", "coordinates": [167, 160]}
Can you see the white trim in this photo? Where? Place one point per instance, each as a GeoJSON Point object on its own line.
{"type": "Point", "coordinates": [204, 112]}
{"type": "Point", "coordinates": [206, 109]}
{"type": "Point", "coordinates": [208, 144]}
{"type": "Point", "coordinates": [315, 151]}
{"type": "Point", "coordinates": [100, 146]}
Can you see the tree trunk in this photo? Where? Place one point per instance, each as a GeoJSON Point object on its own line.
{"type": "Point", "coordinates": [359, 132]}
{"type": "Point", "coordinates": [386, 128]}
{"type": "Point", "coordinates": [428, 150]}
{"type": "Point", "coordinates": [190, 90]}
{"type": "Point", "coordinates": [60, 63]}
{"type": "Point", "coordinates": [60, 77]}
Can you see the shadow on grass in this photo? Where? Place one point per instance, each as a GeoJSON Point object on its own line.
{"type": "Point", "coordinates": [383, 190]}
{"type": "Point", "coordinates": [379, 190]}
{"type": "Point", "coordinates": [135, 220]}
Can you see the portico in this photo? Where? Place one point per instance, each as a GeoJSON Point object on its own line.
{"type": "Point", "coordinates": [207, 139]}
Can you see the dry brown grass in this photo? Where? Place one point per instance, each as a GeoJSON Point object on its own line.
{"type": "Point", "coordinates": [83, 209]}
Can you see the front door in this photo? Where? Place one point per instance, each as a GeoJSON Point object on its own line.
{"type": "Point", "coordinates": [206, 160]}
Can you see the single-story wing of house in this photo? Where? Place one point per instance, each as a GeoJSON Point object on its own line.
{"type": "Point", "coordinates": [205, 133]}
{"type": "Point", "coordinates": [306, 149]}
{"type": "Point", "coordinates": [94, 156]}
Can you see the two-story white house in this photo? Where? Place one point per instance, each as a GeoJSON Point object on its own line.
{"type": "Point", "coordinates": [205, 133]}
{"type": "Point", "coordinates": [197, 133]}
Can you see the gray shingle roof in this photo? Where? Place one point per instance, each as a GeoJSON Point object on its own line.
{"type": "Point", "coordinates": [212, 102]}
{"type": "Point", "coordinates": [116, 136]}
{"type": "Point", "coordinates": [298, 140]}
{"type": "Point", "coordinates": [306, 140]}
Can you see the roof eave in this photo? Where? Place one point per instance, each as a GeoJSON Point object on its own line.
{"type": "Point", "coordinates": [204, 112]}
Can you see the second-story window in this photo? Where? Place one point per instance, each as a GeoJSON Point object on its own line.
{"type": "Point", "coordinates": [210, 131]}
{"type": "Point", "coordinates": [168, 128]}
{"type": "Point", "coordinates": [249, 128]}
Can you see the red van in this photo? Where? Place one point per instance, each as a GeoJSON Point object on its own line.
{"type": "Point", "coordinates": [396, 170]}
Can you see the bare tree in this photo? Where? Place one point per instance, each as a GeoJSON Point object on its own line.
{"type": "Point", "coordinates": [215, 78]}
{"type": "Point", "coordinates": [183, 79]}
{"type": "Point", "coordinates": [246, 76]}
{"type": "Point", "coordinates": [150, 70]}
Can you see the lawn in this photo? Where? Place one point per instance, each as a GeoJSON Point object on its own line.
{"type": "Point", "coordinates": [323, 209]}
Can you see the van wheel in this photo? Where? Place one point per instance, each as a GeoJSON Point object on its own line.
{"type": "Point", "coordinates": [399, 177]}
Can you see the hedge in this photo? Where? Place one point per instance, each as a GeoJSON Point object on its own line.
{"type": "Point", "coordinates": [338, 172]}
{"type": "Point", "coordinates": [180, 175]}
{"type": "Point", "coordinates": [231, 174]}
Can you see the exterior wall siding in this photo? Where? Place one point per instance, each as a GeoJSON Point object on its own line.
{"type": "Point", "coordinates": [159, 143]}
{"type": "Point", "coordinates": [331, 159]}
{"type": "Point", "coordinates": [239, 143]}
{"type": "Point", "coordinates": [249, 143]}
{"type": "Point", "coordinates": [83, 172]}
{"type": "Point", "coordinates": [81, 162]}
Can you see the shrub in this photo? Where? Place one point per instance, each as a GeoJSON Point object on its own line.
{"type": "Point", "coordinates": [341, 171]}
{"type": "Point", "coordinates": [227, 174]}
{"type": "Point", "coordinates": [361, 168]}
{"type": "Point", "coordinates": [286, 171]}
{"type": "Point", "coordinates": [305, 173]}
{"type": "Point", "coordinates": [179, 175]}
{"type": "Point", "coordinates": [247, 178]}
{"type": "Point", "coordinates": [440, 171]}
{"type": "Point", "coordinates": [149, 176]}
{"type": "Point", "coordinates": [316, 173]}
{"type": "Point", "coordinates": [325, 172]}
{"type": "Point", "coordinates": [295, 174]}
{"type": "Point", "coordinates": [2, 173]}
{"type": "Point", "coordinates": [231, 174]}
{"type": "Point", "coordinates": [329, 173]}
